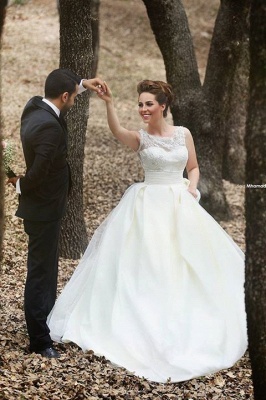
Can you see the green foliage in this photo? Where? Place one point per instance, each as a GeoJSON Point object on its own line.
{"type": "Point", "coordinates": [8, 155]}
{"type": "Point", "coordinates": [19, 2]}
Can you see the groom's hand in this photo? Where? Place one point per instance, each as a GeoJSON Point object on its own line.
{"type": "Point", "coordinates": [13, 180]}
{"type": "Point", "coordinates": [95, 84]}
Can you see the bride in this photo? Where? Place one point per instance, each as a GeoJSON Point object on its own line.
{"type": "Point", "coordinates": [160, 288]}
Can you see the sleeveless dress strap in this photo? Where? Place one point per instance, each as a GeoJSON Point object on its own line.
{"type": "Point", "coordinates": [142, 139]}
{"type": "Point", "coordinates": [180, 135]}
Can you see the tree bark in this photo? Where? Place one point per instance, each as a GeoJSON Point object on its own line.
{"type": "Point", "coordinates": [234, 159]}
{"type": "Point", "coordinates": [95, 31]}
{"type": "Point", "coordinates": [172, 34]}
{"type": "Point", "coordinates": [220, 80]}
{"type": "Point", "coordinates": [76, 53]}
{"type": "Point", "coordinates": [255, 141]}
{"type": "Point", "coordinates": [2, 20]}
{"type": "Point", "coordinates": [201, 108]}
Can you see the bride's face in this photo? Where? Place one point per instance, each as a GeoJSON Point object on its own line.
{"type": "Point", "coordinates": [149, 108]}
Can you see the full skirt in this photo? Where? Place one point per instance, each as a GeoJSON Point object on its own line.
{"type": "Point", "coordinates": [159, 290]}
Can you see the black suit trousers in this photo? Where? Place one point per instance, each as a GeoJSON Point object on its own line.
{"type": "Point", "coordinates": [41, 281]}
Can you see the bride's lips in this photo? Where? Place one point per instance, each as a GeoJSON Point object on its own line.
{"type": "Point", "coordinates": [146, 116]}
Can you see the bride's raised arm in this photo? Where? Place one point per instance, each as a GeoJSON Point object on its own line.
{"type": "Point", "coordinates": [125, 136]}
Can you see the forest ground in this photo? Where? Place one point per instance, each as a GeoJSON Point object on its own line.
{"type": "Point", "coordinates": [128, 53]}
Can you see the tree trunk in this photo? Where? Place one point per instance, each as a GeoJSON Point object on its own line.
{"type": "Point", "coordinates": [95, 5]}
{"type": "Point", "coordinates": [2, 19]}
{"type": "Point", "coordinates": [170, 27]}
{"type": "Point", "coordinates": [256, 200]}
{"type": "Point", "coordinates": [220, 81]}
{"type": "Point", "coordinates": [201, 109]}
{"type": "Point", "coordinates": [76, 53]}
{"type": "Point", "coordinates": [234, 159]}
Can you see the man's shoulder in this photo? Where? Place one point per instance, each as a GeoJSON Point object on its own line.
{"type": "Point", "coordinates": [34, 103]}
{"type": "Point", "coordinates": [38, 109]}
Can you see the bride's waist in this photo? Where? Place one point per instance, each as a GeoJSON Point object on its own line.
{"type": "Point", "coordinates": [164, 177]}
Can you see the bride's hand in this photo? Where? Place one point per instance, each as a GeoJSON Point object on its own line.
{"type": "Point", "coordinates": [193, 192]}
{"type": "Point", "coordinates": [106, 95]}
{"type": "Point", "coordinates": [95, 84]}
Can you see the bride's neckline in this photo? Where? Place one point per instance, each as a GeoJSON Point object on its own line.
{"type": "Point", "coordinates": [161, 137]}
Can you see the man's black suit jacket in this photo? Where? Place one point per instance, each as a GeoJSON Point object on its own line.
{"type": "Point", "coordinates": [45, 185]}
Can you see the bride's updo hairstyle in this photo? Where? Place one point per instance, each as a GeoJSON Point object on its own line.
{"type": "Point", "coordinates": [163, 92]}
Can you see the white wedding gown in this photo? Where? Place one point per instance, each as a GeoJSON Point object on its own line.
{"type": "Point", "coordinates": [159, 290]}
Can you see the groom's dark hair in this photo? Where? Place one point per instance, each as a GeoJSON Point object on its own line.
{"type": "Point", "coordinates": [60, 81]}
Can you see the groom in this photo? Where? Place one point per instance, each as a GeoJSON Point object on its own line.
{"type": "Point", "coordinates": [43, 195]}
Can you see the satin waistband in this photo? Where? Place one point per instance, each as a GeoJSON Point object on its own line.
{"type": "Point", "coordinates": [163, 178]}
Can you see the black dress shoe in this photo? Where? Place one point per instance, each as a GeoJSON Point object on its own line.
{"type": "Point", "coordinates": [50, 352]}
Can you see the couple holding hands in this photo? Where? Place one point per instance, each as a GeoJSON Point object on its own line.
{"type": "Point", "coordinates": [160, 288]}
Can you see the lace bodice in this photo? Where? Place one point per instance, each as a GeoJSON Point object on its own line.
{"type": "Point", "coordinates": [163, 154]}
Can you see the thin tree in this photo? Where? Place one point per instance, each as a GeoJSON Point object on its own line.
{"type": "Point", "coordinates": [76, 53]}
{"type": "Point", "coordinates": [3, 5]}
{"type": "Point", "coordinates": [256, 200]}
{"type": "Point", "coordinates": [202, 108]}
